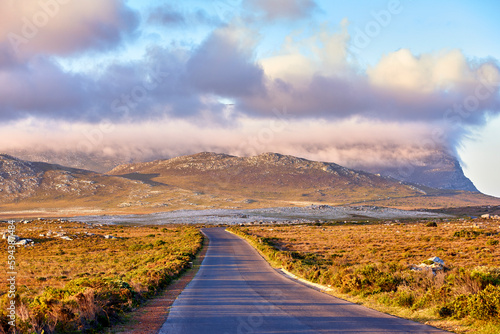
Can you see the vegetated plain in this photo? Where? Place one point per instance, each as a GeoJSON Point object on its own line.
{"type": "Point", "coordinates": [376, 264]}
{"type": "Point", "coordinates": [86, 284]}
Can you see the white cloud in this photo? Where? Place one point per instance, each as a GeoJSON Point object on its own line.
{"type": "Point", "coordinates": [429, 73]}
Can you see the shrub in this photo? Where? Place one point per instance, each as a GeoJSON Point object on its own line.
{"type": "Point", "coordinates": [159, 243]}
{"type": "Point", "coordinates": [492, 242]}
{"type": "Point", "coordinates": [469, 234]}
{"type": "Point", "coordinates": [404, 298]}
{"type": "Point", "coordinates": [484, 305]}
{"type": "Point", "coordinates": [431, 224]}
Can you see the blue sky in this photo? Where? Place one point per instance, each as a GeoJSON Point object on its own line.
{"type": "Point", "coordinates": [352, 82]}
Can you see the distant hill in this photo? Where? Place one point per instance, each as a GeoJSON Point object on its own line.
{"type": "Point", "coordinates": [209, 180]}
{"type": "Point", "coordinates": [31, 185]}
{"type": "Point", "coordinates": [288, 179]}
{"type": "Point", "coordinates": [269, 175]}
{"type": "Point", "coordinates": [437, 169]}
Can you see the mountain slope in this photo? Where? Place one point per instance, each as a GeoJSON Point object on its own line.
{"type": "Point", "coordinates": [271, 176]}
{"type": "Point", "coordinates": [33, 184]}
{"type": "Point", "coordinates": [437, 169]}
{"type": "Point", "coordinates": [206, 181]}
{"type": "Point", "coordinates": [434, 168]}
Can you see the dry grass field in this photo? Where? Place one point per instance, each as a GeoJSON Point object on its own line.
{"type": "Point", "coordinates": [376, 264]}
{"type": "Point", "coordinates": [86, 283]}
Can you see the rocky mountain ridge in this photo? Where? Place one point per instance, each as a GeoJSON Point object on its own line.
{"type": "Point", "coordinates": [262, 171]}
{"type": "Point", "coordinates": [210, 180]}
{"type": "Point", "coordinates": [437, 169]}
{"type": "Point", "coordinates": [19, 178]}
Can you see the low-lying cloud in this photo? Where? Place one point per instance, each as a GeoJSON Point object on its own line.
{"type": "Point", "coordinates": [349, 142]}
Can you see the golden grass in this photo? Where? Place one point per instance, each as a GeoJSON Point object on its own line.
{"type": "Point", "coordinates": [139, 262]}
{"type": "Point", "coordinates": [390, 242]}
{"type": "Point", "coordinates": [370, 265]}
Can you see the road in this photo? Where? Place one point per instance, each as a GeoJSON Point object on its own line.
{"type": "Point", "coordinates": [237, 291]}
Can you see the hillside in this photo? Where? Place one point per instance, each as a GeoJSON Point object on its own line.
{"type": "Point", "coordinates": [437, 169]}
{"type": "Point", "coordinates": [29, 185]}
{"type": "Point", "coordinates": [279, 177]}
{"type": "Point", "coordinates": [434, 168]}
{"type": "Point", "coordinates": [270, 175]}
{"type": "Point", "coordinates": [208, 181]}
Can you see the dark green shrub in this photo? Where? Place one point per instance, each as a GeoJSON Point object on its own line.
{"type": "Point", "coordinates": [492, 242]}
{"type": "Point", "coordinates": [159, 243]}
{"type": "Point", "coordinates": [469, 234]}
{"type": "Point", "coordinates": [404, 298]}
{"type": "Point", "coordinates": [485, 305]}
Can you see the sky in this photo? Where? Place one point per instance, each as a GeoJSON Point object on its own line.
{"type": "Point", "coordinates": [351, 82]}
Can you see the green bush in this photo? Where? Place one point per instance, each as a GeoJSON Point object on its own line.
{"type": "Point", "coordinates": [404, 298]}
{"type": "Point", "coordinates": [469, 234]}
{"type": "Point", "coordinates": [485, 305]}
{"type": "Point", "coordinates": [492, 242]}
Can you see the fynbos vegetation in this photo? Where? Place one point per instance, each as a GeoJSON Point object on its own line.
{"type": "Point", "coordinates": [387, 266]}
{"type": "Point", "coordinates": [82, 278]}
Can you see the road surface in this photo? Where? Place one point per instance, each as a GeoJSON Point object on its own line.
{"type": "Point", "coordinates": [237, 291]}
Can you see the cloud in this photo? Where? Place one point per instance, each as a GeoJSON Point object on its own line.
{"type": "Point", "coordinates": [42, 87]}
{"type": "Point", "coordinates": [313, 77]}
{"type": "Point", "coordinates": [401, 107]}
{"type": "Point", "coordinates": [224, 64]}
{"type": "Point", "coordinates": [56, 27]}
{"type": "Point", "coordinates": [122, 92]}
{"type": "Point", "coordinates": [173, 81]}
{"type": "Point", "coordinates": [166, 15]}
{"type": "Point", "coordinates": [349, 142]}
{"type": "Point", "coordinates": [283, 9]}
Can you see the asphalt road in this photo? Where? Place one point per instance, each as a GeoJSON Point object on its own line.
{"type": "Point", "coordinates": [237, 291]}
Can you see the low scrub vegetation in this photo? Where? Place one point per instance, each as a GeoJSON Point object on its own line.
{"type": "Point", "coordinates": [377, 264]}
{"type": "Point", "coordinates": [86, 282]}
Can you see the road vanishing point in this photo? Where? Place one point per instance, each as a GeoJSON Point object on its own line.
{"type": "Point", "coordinates": [237, 292]}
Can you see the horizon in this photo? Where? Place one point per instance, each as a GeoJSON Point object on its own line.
{"type": "Point", "coordinates": [375, 82]}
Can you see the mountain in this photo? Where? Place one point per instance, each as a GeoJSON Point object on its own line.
{"type": "Point", "coordinates": [434, 168]}
{"type": "Point", "coordinates": [437, 169]}
{"type": "Point", "coordinates": [269, 175]}
{"type": "Point", "coordinates": [25, 184]}
{"type": "Point", "coordinates": [286, 179]}
{"type": "Point", "coordinates": [208, 180]}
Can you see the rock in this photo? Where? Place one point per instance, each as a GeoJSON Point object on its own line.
{"type": "Point", "coordinates": [109, 237]}
{"type": "Point", "coordinates": [435, 259]}
{"type": "Point", "coordinates": [65, 237]}
{"type": "Point", "coordinates": [24, 242]}
{"type": "Point", "coordinates": [433, 263]}
{"type": "Point", "coordinates": [13, 238]}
